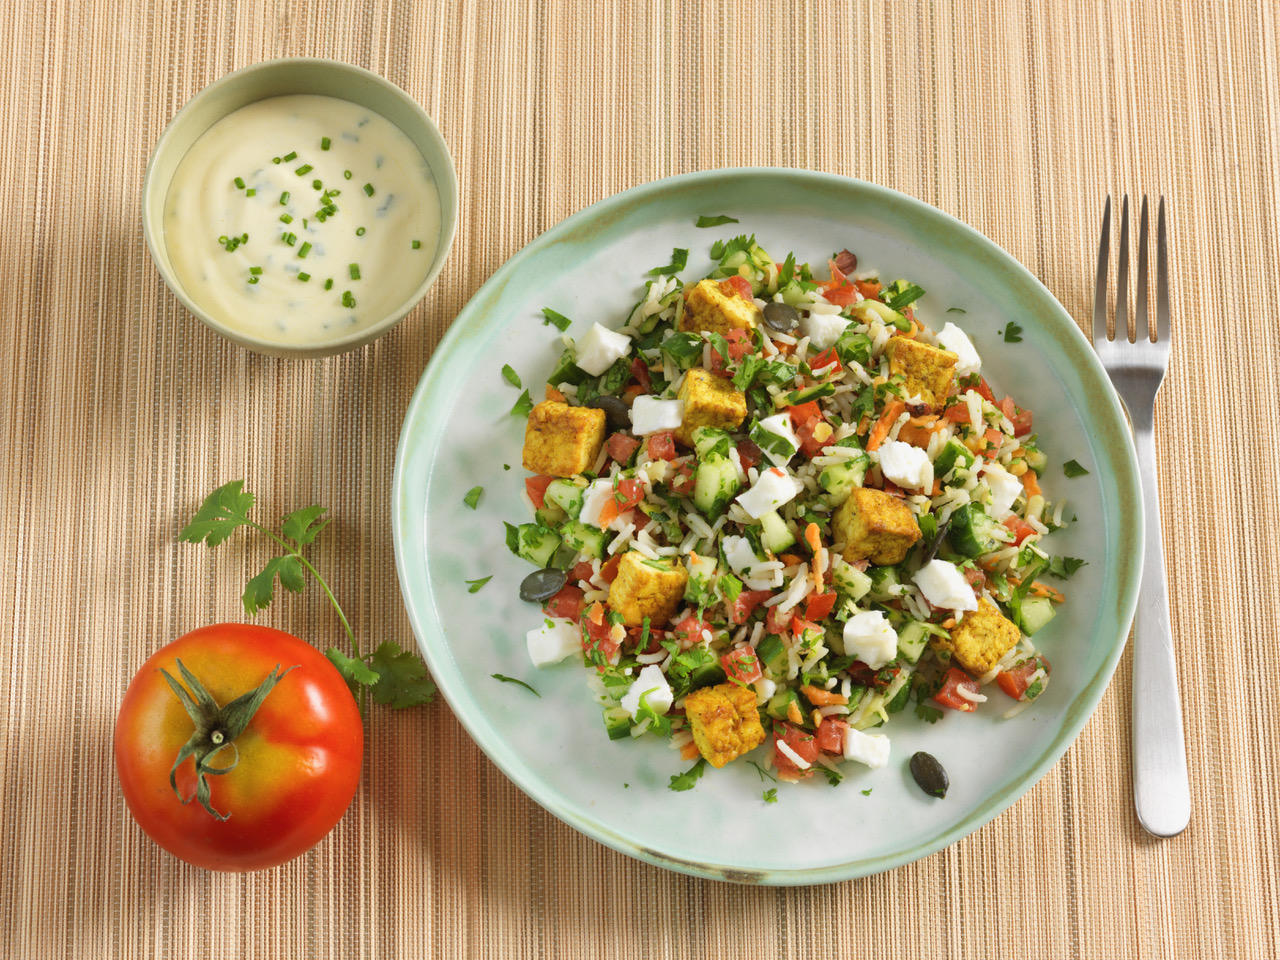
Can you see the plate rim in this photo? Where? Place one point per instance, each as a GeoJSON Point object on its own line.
{"type": "Point", "coordinates": [421, 611]}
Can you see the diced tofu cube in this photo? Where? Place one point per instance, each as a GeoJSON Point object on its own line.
{"type": "Point", "coordinates": [560, 440]}
{"type": "Point", "coordinates": [724, 721]}
{"type": "Point", "coordinates": [651, 684]}
{"type": "Point", "coordinates": [647, 588]}
{"type": "Point", "coordinates": [708, 307]}
{"type": "Point", "coordinates": [982, 638]}
{"type": "Point", "coordinates": [552, 641]}
{"type": "Point", "coordinates": [709, 401]}
{"type": "Point", "coordinates": [928, 372]}
{"type": "Point", "coordinates": [875, 526]}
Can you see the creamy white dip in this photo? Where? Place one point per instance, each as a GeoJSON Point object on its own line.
{"type": "Point", "coordinates": [339, 208]}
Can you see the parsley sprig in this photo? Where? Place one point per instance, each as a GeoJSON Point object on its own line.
{"type": "Point", "coordinates": [391, 675]}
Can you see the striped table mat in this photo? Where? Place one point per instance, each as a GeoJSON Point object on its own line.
{"type": "Point", "coordinates": [119, 412]}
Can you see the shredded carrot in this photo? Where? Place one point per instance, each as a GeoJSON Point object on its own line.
{"type": "Point", "coordinates": [937, 488]}
{"type": "Point", "coordinates": [608, 513]}
{"type": "Point", "coordinates": [554, 394]}
{"type": "Point", "coordinates": [790, 559]}
{"type": "Point", "coordinates": [862, 425]}
{"type": "Point", "coordinates": [815, 544]}
{"type": "Point", "coordinates": [793, 712]}
{"type": "Point", "coordinates": [1030, 483]}
{"type": "Point", "coordinates": [1039, 589]}
{"type": "Point", "coordinates": [596, 613]}
{"type": "Point", "coordinates": [823, 698]}
{"type": "Point", "coordinates": [881, 430]}
{"type": "Point", "coordinates": [689, 750]}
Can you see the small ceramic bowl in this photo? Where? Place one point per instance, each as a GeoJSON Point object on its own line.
{"type": "Point", "coordinates": [275, 78]}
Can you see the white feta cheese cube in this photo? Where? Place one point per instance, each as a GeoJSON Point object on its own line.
{"type": "Point", "coordinates": [1005, 489]}
{"type": "Point", "coordinates": [552, 641]}
{"type": "Point", "coordinates": [653, 686]}
{"type": "Point", "coordinates": [907, 466]}
{"type": "Point", "coordinates": [944, 586]}
{"type": "Point", "coordinates": [739, 553]}
{"type": "Point", "coordinates": [957, 341]}
{"type": "Point", "coordinates": [780, 426]}
{"type": "Point", "coordinates": [594, 498]}
{"type": "Point", "coordinates": [869, 748]}
{"type": "Point", "coordinates": [871, 638]}
{"type": "Point", "coordinates": [600, 348]}
{"type": "Point", "coordinates": [651, 415]}
{"type": "Point", "coordinates": [823, 329]}
{"type": "Point", "coordinates": [774, 488]}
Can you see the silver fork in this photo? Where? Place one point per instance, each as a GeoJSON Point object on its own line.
{"type": "Point", "coordinates": [1161, 793]}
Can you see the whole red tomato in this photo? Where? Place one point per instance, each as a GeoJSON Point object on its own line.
{"type": "Point", "coordinates": [271, 790]}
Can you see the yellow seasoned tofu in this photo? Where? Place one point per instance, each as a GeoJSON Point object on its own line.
{"type": "Point", "coordinates": [708, 307]}
{"type": "Point", "coordinates": [647, 588]}
{"type": "Point", "coordinates": [709, 401]}
{"type": "Point", "coordinates": [928, 372]}
{"type": "Point", "coordinates": [980, 639]}
{"type": "Point", "coordinates": [724, 721]}
{"type": "Point", "coordinates": [875, 526]}
{"type": "Point", "coordinates": [560, 440]}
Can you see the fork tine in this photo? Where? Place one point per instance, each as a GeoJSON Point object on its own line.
{"type": "Point", "coordinates": [1100, 283]}
{"type": "Point", "coordinates": [1122, 279]}
{"type": "Point", "coordinates": [1141, 322]}
{"type": "Point", "coordinates": [1162, 276]}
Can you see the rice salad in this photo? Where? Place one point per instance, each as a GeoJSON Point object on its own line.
{"type": "Point", "coordinates": [771, 511]}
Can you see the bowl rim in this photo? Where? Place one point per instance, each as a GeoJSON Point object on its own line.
{"type": "Point", "coordinates": [446, 179]}
{"type": "Point", "coordinates": [420, 608]}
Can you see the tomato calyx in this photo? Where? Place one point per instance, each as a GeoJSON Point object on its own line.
{"type": "Point", "coordinates": [216, 728]}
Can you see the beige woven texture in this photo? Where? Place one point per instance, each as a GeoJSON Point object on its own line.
{"type": "Point", "coordinates": [119, 412]}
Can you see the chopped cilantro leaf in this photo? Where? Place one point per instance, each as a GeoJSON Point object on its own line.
{"type": "Point", "coordinates": [474, 585]}
{"type": "Point", "coordinates": [511, 376]}
{"type": "Point", "coordinates": [1072, 468]}
{"type": "Point", "coordinates": [1012, 333]}
{"type": "Point", "coordinates": [685, 781]}
{"type": "Point", "coordinates": [1064, 567]}
{"type": "Point", "coordinates": [833, 776]}
{"type": "Point", "coordinates": [679, 257]}
{"type": "Point", "coordinates": [506, 679]}
{"type": "Point", "coordinates": [473, 497]}
{"type": "Point", "coordinates": [928, 713]}
{"type": "Point", "coordinates": [522, 406]}
{"type": "Point", "coordinates": [866, 792]}
{"type": "Point", "coordinates": [559, 320]}
{"type": "Point", "coordinates": [771, 795]}
{"type": "Point", "coordinates": [715, 221]}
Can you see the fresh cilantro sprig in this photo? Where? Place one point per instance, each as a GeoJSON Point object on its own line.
{"type": "Point", "coordinates": [1073, 468]}
{"type": "Point", "coordinates": [391, 675]}
{"type": "Point", "coordinates": [1012, 332]}
{"type": "Point", "coordinates": [715, 221]}
{"type": "Point", "coordinates": [685, 781]}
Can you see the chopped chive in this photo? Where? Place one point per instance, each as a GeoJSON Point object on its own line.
{"type": "Point", "coordinates": [328, 284]}
{"type": "Point", "coordinates": [253, 279]}
{"type": "Point", "coordinates": [416, 244]}
{"type": "Point", "coordinates": [244, 238]}
{"type": "Point", "coordinates": [347, 299]}
{"type": "Point", "coordinates": [346, 174]}
{"type": "Point", "coordinates": [304, 277]}
{"type": "Point", "coordinates": [303, 170]}
{"type": "Point", "coordinates": [285, 218]}
{"type": "Point", "coordinates": [288, 238]}
{"type": "Point", "coordinates": [255, 270]}
{"type": "Point", "coordinates": [304, 223]}
{"type": "Point", "coordinates": [354, 270]}
{"type": "Point", "coordinates": [317, 185]}
{"type": "Point", "coordinates": [368, 189]}
{"type": "Point", "coordinates": [251, 192]}
{"type": "Point", "coordinates": [239, 182]}
{"type": "Point", "coordinates": [359, 231]}
{"type": "Point", "coordinates": [284, 199]}
{"type": "Point", "coordinates": [291, 155]}
{"type": "Point", "coordinates": [324, 143]}
{"type": "Point", "coordinates": [275, 159]}
{"type": "Point", "coordinates": [304, 249]}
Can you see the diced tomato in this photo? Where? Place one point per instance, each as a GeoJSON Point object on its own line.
{"type": "Point", "coordinates": [828, 358]}
{"type": "Point", "coordinates": [599, 636]}
{"type": "Point", "coordinates": [957, 414]}
{"type": "Point", "coordinates": [682, 482]}
{"type": "Point", "coordinates": [1020, 528]}
{"type": "Point", "coordinates": [984, 390]}
{"type": "Point", "coordinates": [803, 744]}
{"type": "Point", "coordinates": [777, 622]}
{"type": "Point", "coordinates": [745, 604]}
{"type": "Point", "coordinates": [831, 736]}
{"type": "Point", "coordinates": [809, 432]}
{"type": "Point", "coordinates": [609, 572]}
{"type": "Point", "coordinates": [749, 453]}
{"type": "Point", "coordinates": [626, 494]}
{"type": "Point", "coordinates": [803, 413]}
{"type": "Point", "coordinates": [621, 447]}
{"type": "Point", "coordinates": [662, 446]}
{"type": "Point", "coordinates": [736, 285]}
{"type": "Point", "coordinates": [742, 665]}
{"type": "Point", "coordinates": [819, 606]}
{"type": "Point", "coordinates": [640, 370]}
{"type": "Point", "coordinates": [994, 438]}
{"type": "Point", "coordinates": [1015, 682]}
{"type": "Point", "coordinates": [689, 631]}
{"type": "Point", "coordinates": [949, 696]}
{"type": "Point", "coordinates": [799, 625]}
{"type": "Point", "coordinates": [974, 577]}
{"type": "Point", "coordinates": [1008, 407]}
{"type": "Point", "coordinates": [641, 520]}
{"type": "Point", "coordinates": [566, 603]}
{"type": "Point", "coordinates": [740, 343]}
{"type": "Point", "coordinates": [580, 571]}
{"type": "Point", "coordinates": [1021, 423]}
{"type": "Point", "coordinates": [635, 390]}
{"type": "Point", "coordinates": [868, 288]}
{"type": "Point", "coordinates": [843, 295]}
{"type": "Point", "coordinates": [636, 634]}
{"type": "Point", "coordinates": [536, 487]}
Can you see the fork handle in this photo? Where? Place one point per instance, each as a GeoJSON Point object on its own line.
{"type": "Point", "coordinates": [1161, 793]}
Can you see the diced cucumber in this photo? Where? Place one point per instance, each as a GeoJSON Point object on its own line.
{"type": "Point", "coordinates": [536, 543]}
{"type": "Point", "coordinates": [793, 398]}
{"type": "Point", "coordinates": [840, 479]}
{"type": "Point", "coordinates": [954, 452]}
{"type": "Point", "coordinates": [1036, 459]}
{"type": "Point", "coordinates": [779, 705]}
{"type": "Point", "coordinates": [775, 535]}
{"type": "Point", "coordinates": [583, 538]}
{"type": "Point", "coordinates": [702, 571]}
{"type": "Point", "coordinates": [772, 653]}
{"type": "Point", "coordinates": [868, 310]}
{"type": "Point", "coordinates": [706, 675]}
{"type": "Point", "coordinates": [710, 442]}
{"type": "Point", "coordinates": [973, 532]}
{"type": "Point", "coordinates": [883, 580]}
{"type": "Point", "coordinates": [566, 369]}
{"type": "Point", "coordinates": [899, 699]}
{"type": "Point", "coordinates": [714, 484]}
{"type": "Point", "coordinates": [566, 495]}
{"type": "Point", "coordinates": [850, 582]}
{"type": "Point", "coordinates": [1033, 613]}
{"type": "Point", "coordinates": [550, 515]}
{"type": "Point", "coordinates": [617, 722]}
{"type": "Point", "coordinates": [911, 641]}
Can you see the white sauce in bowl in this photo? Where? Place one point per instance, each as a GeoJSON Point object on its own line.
{"type": "Point", "coordinates": [340, 210]}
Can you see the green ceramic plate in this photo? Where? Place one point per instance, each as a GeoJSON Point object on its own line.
{"type": "Point", "coordinates": [458, 433]}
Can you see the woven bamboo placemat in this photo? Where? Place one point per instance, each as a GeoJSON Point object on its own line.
{"type": "Point", "coordinates": [119, 412]}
